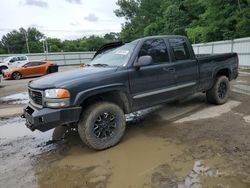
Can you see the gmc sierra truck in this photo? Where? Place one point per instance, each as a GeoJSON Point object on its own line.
{"type": "Point", "coordinates": [124, 78]}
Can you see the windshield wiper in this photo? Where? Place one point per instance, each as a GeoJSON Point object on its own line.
{"type": "Point", "coordinates": [100, 65]}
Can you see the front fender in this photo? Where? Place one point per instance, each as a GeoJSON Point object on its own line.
{"type": "Point", "coordinates": [82, 96]}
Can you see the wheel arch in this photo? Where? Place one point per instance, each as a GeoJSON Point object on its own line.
{"type": "Point", "coordinates": [224, 72]}
{"type": "Point", "coordinates": [118, 97]}
{"type": "Point", "coordinates": [3, 66]}
{"type": "Point", "coordinates": [220, 72]}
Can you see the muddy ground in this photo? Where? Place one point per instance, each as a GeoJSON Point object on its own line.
{"type": "Point", "coordinates": [184, 144]}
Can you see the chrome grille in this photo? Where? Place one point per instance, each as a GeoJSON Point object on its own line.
{"type": "Point", "coordinates": [36, 97]}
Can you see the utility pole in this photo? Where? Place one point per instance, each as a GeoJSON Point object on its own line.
{"type": "Point", "coordinates": [45, 48]}
{"type": "Point", "coordinates": [27, 42]}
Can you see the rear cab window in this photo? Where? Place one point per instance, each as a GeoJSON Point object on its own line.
{"type": "Point", "coordinates": [157, 49]}
{"type": "Point", "coordinates": [180, 49]}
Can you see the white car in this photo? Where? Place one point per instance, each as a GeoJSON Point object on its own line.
{"type": "Point", "coordinates": [12, 62]}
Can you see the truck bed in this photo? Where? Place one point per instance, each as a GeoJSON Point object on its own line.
{"type": "Point", "coordinates": [210, 63]}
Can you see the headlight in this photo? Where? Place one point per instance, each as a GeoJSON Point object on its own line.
{"type": "Point", "coordinates": [56, 98]}
{"type": "Point", "coordinates": [56, 93]}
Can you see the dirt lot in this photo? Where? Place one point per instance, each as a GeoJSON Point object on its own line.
{"type": "Point", "coordinates": [187, 144]}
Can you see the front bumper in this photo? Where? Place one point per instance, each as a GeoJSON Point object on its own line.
{"type": "Point", "coordinates": [6, 75]}
{"type": "Point", "coordinates": [45, 119]}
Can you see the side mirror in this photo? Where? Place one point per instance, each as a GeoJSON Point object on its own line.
{"type": "Point", "coordinates": [25, 66]}
{"type": "Point", "coordinates": [12, 61]}
{"type": "Point", "coordinates": [143, 61]}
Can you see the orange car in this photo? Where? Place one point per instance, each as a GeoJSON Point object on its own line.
{"type": "Point", "coordinates": [33, 68]}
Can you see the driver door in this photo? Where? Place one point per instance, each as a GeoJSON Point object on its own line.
{"type": "Point", "coordinates": [154, 83]}
{"type": "Point", "coordinates": [31, 69]}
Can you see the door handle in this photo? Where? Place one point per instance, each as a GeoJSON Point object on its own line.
{"type": "Point", "coordinates": [170, 70]}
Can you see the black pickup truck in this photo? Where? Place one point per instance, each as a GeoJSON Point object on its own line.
{"type": "Point", "coordinates": [126, 78]}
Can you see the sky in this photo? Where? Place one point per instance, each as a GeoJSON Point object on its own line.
{"type": "Point", "coordinates": [64, 19]}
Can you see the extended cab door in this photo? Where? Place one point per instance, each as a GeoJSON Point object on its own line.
{"type": "Point", "coordinates": [154, 83]}
{"type": "Point", "coordinates": [185, 65]}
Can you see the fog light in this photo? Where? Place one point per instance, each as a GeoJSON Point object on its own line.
{"type": "Point", "coordinates": [57, 104]}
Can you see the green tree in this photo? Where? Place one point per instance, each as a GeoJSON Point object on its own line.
{"type": "Point", "coordinates": [147, 17]}
{"type": "Point", "coordinates": [54, 48]}
{"type": "Point", "coordinates": [221, 20]}
{"type": "Point", "coordinates": [151, 29]}
{"type": "Point", "coordinates": [201, 20]}
{"type": "Point", "coordinates": [54, 44]}
{"type": "Point", "coordinates": [112, 36]}
{"type": "Point", "coordinates": [94, 42]}
{"type": "Point", "coordinates": [176, 20]}
{"type": "Point", "coordinates": [15, 41]}
{"type": "Point", "coordinates": [2, 49]}
{"type": "Point", "coordinates": [69, 46]}
{"type": "Point", "coordinates": [243, 20]}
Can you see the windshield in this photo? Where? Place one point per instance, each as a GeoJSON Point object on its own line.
{"type": "Point", "coordinates": [7, 59]}
{"type": "Point", "coordinates": [115, 57]}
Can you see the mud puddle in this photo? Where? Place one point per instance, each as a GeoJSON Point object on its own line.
{"type": "Point", "coordinates": [13, 128]}
{"type": "Point", "coordinates": [18, 147]}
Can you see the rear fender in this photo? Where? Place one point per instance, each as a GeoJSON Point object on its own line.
{"type": "Point", "coordinates": [216, 72]}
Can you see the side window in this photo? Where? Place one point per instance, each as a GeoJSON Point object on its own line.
{"type": "Point", "coordinates": [180, 49]}
{"type": "Point", "coordinates": [157, 49]}
{"type": "Point", "coordinates": [32, 64]}
{"type": "Point", "coordinates": [28, 64]}
{"type": "Point", "coordinates": [41, 63]}
{"type": "Point", "coordinates": [14, 59]}
{"type": "Point", "coordinates": [22, 58]}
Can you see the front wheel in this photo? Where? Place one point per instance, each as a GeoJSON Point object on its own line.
{"type": "Point", "coordinates": [219, 93]}
{"type": "Point", "coordinates": [102, 125]}
{"type": "Point", "coordinates": [16, 75]}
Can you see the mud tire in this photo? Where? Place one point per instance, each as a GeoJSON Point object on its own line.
{"type": "Point", "coordinates": [220, 91]}
{"type": "Point", "coordinates": [87, 125]}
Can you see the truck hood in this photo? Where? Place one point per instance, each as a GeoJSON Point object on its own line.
{"type": "Point", "coordinates": [67, 78]}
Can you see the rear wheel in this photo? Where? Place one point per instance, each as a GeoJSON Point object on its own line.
{"type": "Point", "coordinates": [16, 75]}
{"type": "Point", "coordinates": [102, 125]}
{"type": "Point", "coordinates": [219, 93]}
